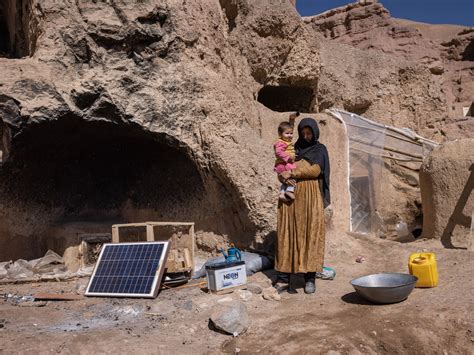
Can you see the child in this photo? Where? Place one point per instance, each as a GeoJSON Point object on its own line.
{"type": "Point", "coordinates": [285, 155]}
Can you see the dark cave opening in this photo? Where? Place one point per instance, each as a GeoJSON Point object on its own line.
{"type": "Point", "coordinates": [359, 107]}
{"type": "Point", "coordinates": [468, 53]}
{"type": "Point", "coordinates": [90, 169]}
{"type": "Point", "coordinates": [5, 43]}
{"type": "Point", "coordinates": [92, 174]}
{"type": "Point", "coordinates": [18, 29]}
{"type": "Point", "coordinates": [287, 98]}
{"type": "Point", "coordinates": [231, 11]}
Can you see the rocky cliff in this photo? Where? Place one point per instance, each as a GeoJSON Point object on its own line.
{"type": "Point", "coordinates": [116, 111]}
{"type": "Point", "coordinates": [141, 110]}
{"type": "Point", "coordinates": [433, 64]}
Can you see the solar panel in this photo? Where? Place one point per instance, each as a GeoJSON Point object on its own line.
{"type": "Point", "coordinates": [129, 270]}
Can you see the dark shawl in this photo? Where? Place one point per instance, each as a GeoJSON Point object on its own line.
{"type": "Point", "coordinates": [315, 153]}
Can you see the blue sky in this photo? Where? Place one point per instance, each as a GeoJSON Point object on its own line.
{"type": "Point", "coordinates": [459, 12]}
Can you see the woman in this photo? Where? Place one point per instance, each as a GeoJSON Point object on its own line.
{"type": "Point", "coordinates": [300, 229]}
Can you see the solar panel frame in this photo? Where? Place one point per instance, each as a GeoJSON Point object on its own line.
{"type": "Point", "coordinates": [160, 268]}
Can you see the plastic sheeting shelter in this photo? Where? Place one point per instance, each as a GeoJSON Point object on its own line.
{"type": "Point", "coordinates": [369, 144]}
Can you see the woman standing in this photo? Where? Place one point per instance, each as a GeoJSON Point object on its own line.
{"type": "Point", "coordinates": [300, 228]}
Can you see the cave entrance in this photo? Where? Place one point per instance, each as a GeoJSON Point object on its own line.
{"type": "Point", "coordinates": [287, 98]}
{"type": "Point", "coordinates": [69, 177]}
{"type": "Point", "coordinates": [231, 11]}
{"type": "Point", "coordinates": [468, 53]}
{"type": "Point", "coordinates": [468, 110]}
{"type": "Point", "coordinates": [18, 29]}
{"type": "Point", "coordinates": [5, 43]}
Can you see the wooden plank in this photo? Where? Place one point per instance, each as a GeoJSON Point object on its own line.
{"type": "Point", "coordinates": [188, 260]}
{"type": "Point", "coordinates": [115, 234]}
{"type": "Point", "coordinates": [44, 296]}
{"type": "Point", "coordinates": [408, 140]}
{"type": "Point", "coordinates": [179, 260]}
{"type": "Point", "coordinates": [470, 245]}
{"type": "Point", "coordinates": [193, 243]}
{"type": "Point", "coordinates": [394, 150]}
{"type": "Point", "coordinates": [150, 234]}
{"type": "Point", "coordinates": [144, 224]}
{"type": "Point", "coordinates": [140, 224]}
{"type": "Point", "coordinates": [171, 223]}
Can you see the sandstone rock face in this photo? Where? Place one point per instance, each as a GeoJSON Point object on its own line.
{"type": "Point", "coordinates": [380, 87]}
{"type": "Point", "coordinates": [129, 111]}
{"type": "Point", "coordinates": [123, 111]}
{"type": "Point", "coordinates": [424, 71]}
{"type": "Point", "coordinates": [447, 182]}
{"type": "Point", "coordinates": [355, 18]}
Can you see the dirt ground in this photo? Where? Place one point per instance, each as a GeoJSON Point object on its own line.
{"type": "Point", "coordinates": [333, 321]}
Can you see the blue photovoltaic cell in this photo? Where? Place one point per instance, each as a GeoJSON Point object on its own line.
{"type": "Point", "coordinates": [127, 269]}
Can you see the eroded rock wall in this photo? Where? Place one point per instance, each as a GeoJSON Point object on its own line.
{"type": "Point", "coordinates": [447, 182]}
{"type": "Point", "coordinates": [186, 77]}
{"type": "Point", "coordinates": [411, 74]}
{"type": "Point", "coordinates": [186, 73]}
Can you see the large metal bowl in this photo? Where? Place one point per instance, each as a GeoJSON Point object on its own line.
{"type": "Point", "coordinates": [385, 288]}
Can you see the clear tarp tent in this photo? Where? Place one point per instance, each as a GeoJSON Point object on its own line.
{"type": "Point", "coordinates": [369, 144]}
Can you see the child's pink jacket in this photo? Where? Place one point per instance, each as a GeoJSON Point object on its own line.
{"type": "Point", "coordinates": [283, 152]}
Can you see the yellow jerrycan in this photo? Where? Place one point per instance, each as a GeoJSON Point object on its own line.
{"type": "Point", "coordinates": [423, 266]}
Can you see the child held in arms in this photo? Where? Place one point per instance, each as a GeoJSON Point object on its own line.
{"type": "Point", "coordinates": [285, 155]}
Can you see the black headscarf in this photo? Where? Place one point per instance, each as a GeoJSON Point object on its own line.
{"type": "Point", "coordinates": [315, 153]}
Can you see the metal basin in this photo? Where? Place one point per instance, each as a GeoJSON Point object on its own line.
{"type": "Point", "coordinates": [385, 288]}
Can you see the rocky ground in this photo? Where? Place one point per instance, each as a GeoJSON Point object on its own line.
{"type": "Point", "coordinates": [334, 320]}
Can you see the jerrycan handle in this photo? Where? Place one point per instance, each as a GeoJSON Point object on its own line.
{"type": "Point", "coordinates": [420, 259]}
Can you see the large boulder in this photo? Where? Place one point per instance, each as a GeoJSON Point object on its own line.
{"type": "Point", "coordinates": [232, 319]}
{"type": "Point", "coordinates": [447, 181]}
